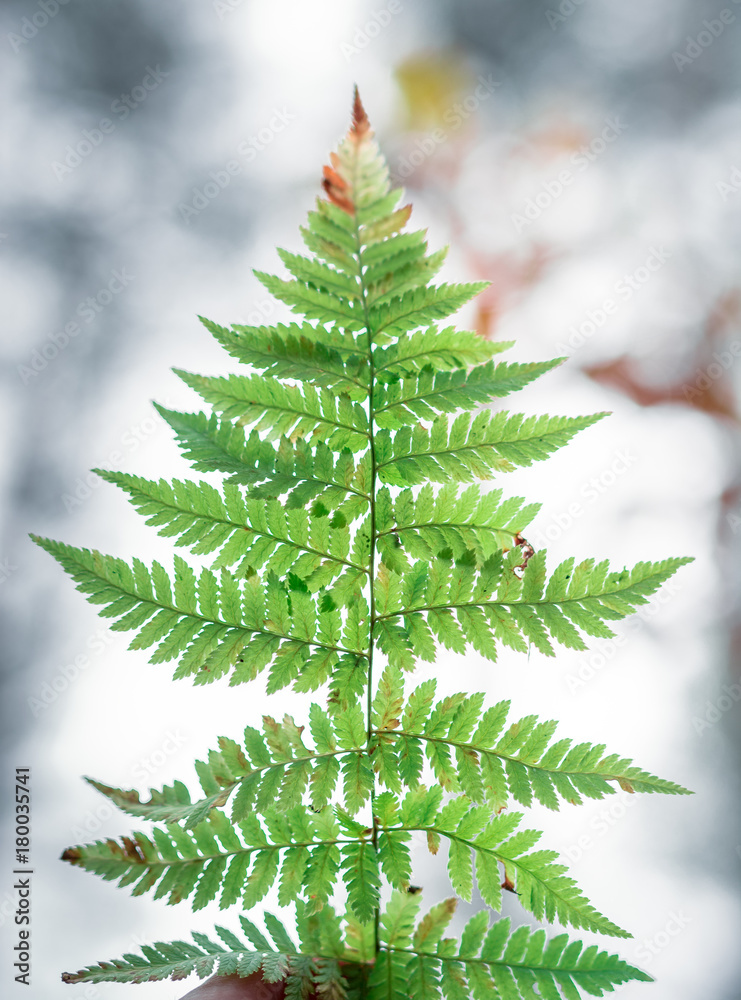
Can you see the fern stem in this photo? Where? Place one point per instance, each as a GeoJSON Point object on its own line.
{"type": "Point", "coordinates": [372, 547]}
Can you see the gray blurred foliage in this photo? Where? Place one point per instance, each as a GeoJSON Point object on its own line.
{"type": "Point", "coordinates": [82, 61]}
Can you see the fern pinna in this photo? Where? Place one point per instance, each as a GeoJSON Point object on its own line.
{"type": "Point", "coordinates": [344, 545]}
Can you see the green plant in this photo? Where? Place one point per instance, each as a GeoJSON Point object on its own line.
{"type": "Point", "coordinates": [332, 547]}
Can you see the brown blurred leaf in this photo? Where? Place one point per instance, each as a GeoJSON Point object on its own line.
{"type": "Point", "coordinates": [510, 278]}
{"type": "Point", "coordinates": [553, 139]}
{"type": "Point", "coordinates": [707, 387]}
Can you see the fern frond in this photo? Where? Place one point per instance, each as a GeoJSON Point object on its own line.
{"type": "Point", "coordinates": [487, 961]}
{"type": "Point", "coordinates": [275, 957]}
{"type": "Point", "coordinates": [384, 257]}
{"type": "Point", "coordinates": [299, 849]}
{"type": "Point", "coordinates": [469, 449]}
{"type": "Point", "coordinates": [303, 352]}
{"type": "Point", "coordinates": [271, 770]}
{"type": "Point", "coordinates": [431, 524]}
{"type": "Point", "coordinates": [302, 473]}
{"type": "Point", "coordinates": [254, 534]}
{"type": "Point", "coordinates": [485, 958]}
{"type": "Point", "coordinates": [328, 279]}
{"type": "Point", "coordinates": [284, 410]}
{"type": "Point", "coordinates": [362, 877]}
{"type": "Point", "coordinates": [384, 285]}
{"type": "Point", "coordinates": [476, 752]}
{"type": "Point", "coordinates": [315, 303]}
{"type": "Point", "coordinates": [302, 850]}
{"type": "Point", "coordinates": [171, 803]}
{"type": "Point", "coordinates": [407, 401]}
{"type": "Point", "coordinates": [215, 628]}
{"type": "Point", "coordinates": [538, 879]}
{"type": "Point", "coordinates": [442, 350]}
{"type": "Point", "coordinates": [463, 606]}
{"type": "Point", "coordinates": [419, 307]}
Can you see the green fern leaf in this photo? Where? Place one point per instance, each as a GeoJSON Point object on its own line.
{"type": "Point", "coordinates": [285, 410]}
{"type": "Point", "coordinates": [414, 958]}
{"type": "Point", "coordinates": [469, 449]}
{"type": "Point", "coordinates": [384, 285]}
{"type": "Point", "coordinates": [505, 602]}
{"type": "Point", "coordinates": [472, 751]}
{"type": "Point", "coordinates": [299, 352]}
{"type": "Point", "coordinates": [215, 628]}
{"type": "Point", "coordinates": [442, 350]}
{"type": "Point", "coordinates": [539, 881]}
{"type": "Point", "coordinates": [231, 861]}
{"type": "Point", "coordinates": [419, 307]}
{"type": "Point", "coordinates": [431, 524]}
{"type": "Point", "coordinates": [336, 482]}
{"type": "Point", "coordinates": [275, 962]}
{"type": "Point", "coordinates": [487, 961]}
{"type": "Point", "coordinates": [362, 878]}
{"type": "Point", "coordinates": [314, 303]}
{"type": "Point", "coordinates": [407, 401]}
{"type": "Point", "coordinates": [254, 534]}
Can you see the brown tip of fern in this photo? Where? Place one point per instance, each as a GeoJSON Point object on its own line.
{"type": "Point", "coordinates": [360, 124]}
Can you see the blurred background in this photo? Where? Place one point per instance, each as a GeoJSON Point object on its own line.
{"type": "Point", "coordinates": [585, 158]}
